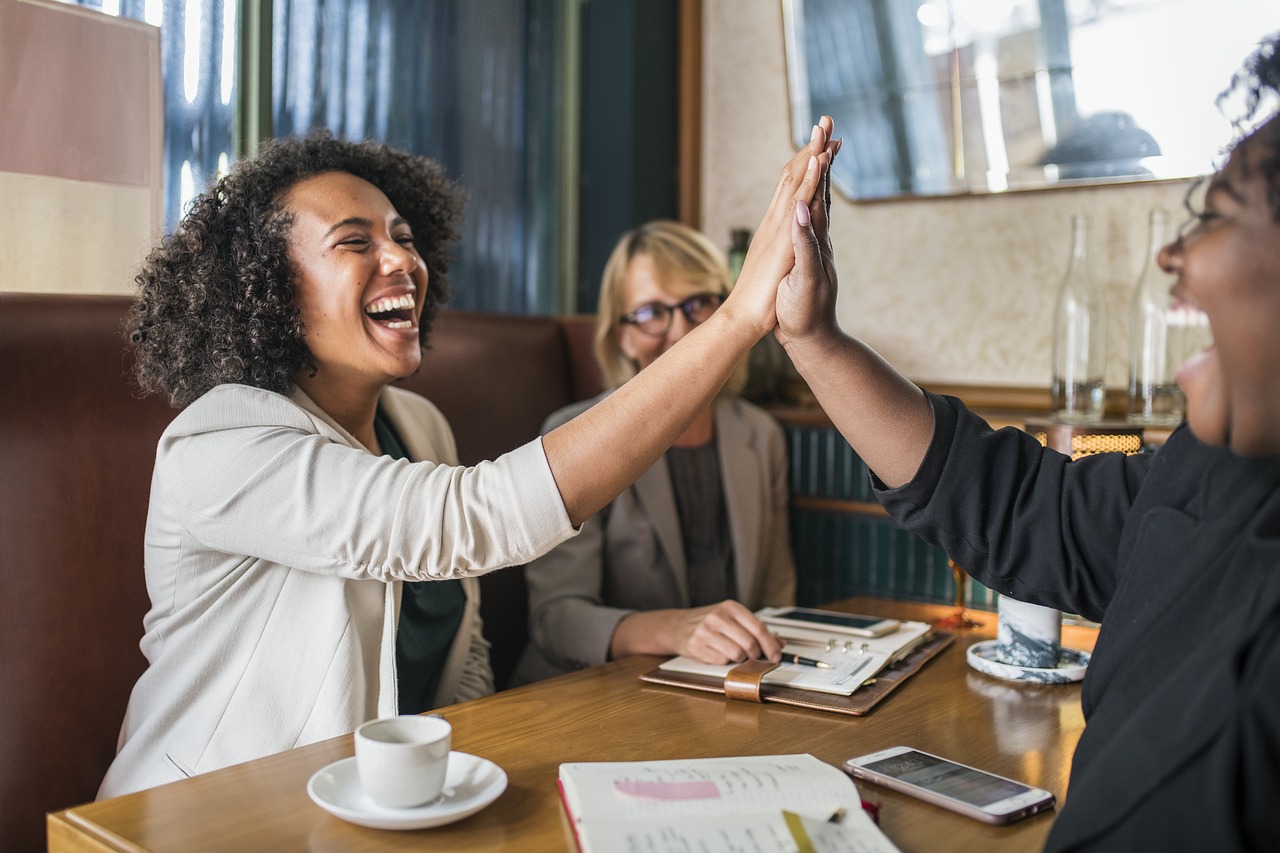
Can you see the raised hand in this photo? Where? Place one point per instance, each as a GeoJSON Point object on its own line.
{"type": "Point", "coordinates": [806, 299]}
{"type": "Point", "coordinates": [772, 252]}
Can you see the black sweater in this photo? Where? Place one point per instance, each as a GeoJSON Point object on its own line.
{"type": "Point", "coordinates": [1178, 555]}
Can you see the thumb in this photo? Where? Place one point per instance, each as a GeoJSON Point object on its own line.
{"type": "Point", "coordinates": [798, 292]}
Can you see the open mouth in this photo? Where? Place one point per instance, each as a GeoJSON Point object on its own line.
{"type": "Point", "coordinates": [393, 312]}
{"type": "Point", "coordinates": [1191, 322]}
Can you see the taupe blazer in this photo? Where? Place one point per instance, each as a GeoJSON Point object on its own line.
{"type": "Point", "coordinates": [275, 545]}
{"type": "Point", "coordinates": [630, 556]}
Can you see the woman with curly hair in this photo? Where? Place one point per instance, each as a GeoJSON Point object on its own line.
{"type": "Point", "coordinates": [677, 562]}
{"type": "Point", "coordinates": [311, 543]}
{"type": "Point", "coordinates": [1177, 554]}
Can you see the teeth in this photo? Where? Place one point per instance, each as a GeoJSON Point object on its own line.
{"type": "Point", "coordinates": [389, 303]}
{"type": "Point", "coordinates": [398, 324]}
{"type": "Point", "coordinates": [1186, 315]}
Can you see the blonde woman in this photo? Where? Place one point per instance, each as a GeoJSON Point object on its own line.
{"type": "Point", "coordinates": [677, 562]}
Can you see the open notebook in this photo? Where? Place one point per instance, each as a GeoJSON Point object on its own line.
{"type": "Point", "coordinates": [759, 802]}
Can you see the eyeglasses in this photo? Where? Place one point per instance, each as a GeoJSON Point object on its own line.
{"type": "Point", "coordinates": [654, 318]}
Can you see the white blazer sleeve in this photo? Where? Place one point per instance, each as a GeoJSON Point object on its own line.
{"type": "Point", "coordinates": [252, 473]}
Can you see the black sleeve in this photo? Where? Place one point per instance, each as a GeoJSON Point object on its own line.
{"type": "Point", "coordinates": [1025, 521]}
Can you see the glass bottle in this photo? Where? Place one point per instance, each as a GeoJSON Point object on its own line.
{"type": "Point", "coordinates": [1079, 336]}
{"type": "Point", "coordinates": [739, 242]}
{"type": "Point", "coordinates": [1158, 339]}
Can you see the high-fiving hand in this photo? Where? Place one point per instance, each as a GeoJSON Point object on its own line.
{"type": "Point", "coordinates": [772, 253]}
{"type": "Point", "coordinates": [806, 302]}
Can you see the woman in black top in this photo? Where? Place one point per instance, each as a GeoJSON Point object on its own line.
{"type": "Point", "coordinates": [1177, 554]}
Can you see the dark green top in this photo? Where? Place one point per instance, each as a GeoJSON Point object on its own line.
{"type": "Point", "coordinates": [430, 614]}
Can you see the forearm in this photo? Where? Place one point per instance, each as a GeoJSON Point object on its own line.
{"type": "Point", "coordinates": [595, 456]}
{"type": "Point", "coordinates": [650, 632]}
{"type": "Point", "coordinates": [599, 453]}
{"type": "Point", "coordinates": [885, 418]}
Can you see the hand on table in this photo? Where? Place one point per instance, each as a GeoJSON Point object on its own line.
{"type": "Point", "coordinates": [721, 633]}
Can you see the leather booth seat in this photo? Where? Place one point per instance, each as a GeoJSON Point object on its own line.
{"type": "Point", "coordinates": [77, 444]}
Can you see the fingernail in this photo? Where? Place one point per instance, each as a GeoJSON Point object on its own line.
{"type": "Point", "coordinates": [816, 134]}
{"type": "Point", "coordinates": [802, 214]}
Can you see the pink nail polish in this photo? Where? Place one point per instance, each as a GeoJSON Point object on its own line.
{"type": "Point", "coordinates": [802, 214]}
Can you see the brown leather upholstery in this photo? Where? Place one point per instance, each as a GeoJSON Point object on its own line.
{"type": "Point", "coordinates": [76, 452]}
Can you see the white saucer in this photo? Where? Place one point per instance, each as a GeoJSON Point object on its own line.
{"type": "Point", "coordinates": [1071, 666]}
{"type": "Point", "coordinates": [470, 784]}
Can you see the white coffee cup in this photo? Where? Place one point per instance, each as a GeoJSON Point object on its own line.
{"type": "Point", "coordinates": [402, 761]}
{"type": "Point", "coordinates": [1028, 635]}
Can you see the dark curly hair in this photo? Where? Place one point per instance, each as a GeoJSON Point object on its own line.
{"type": "Point", "coordinates": [1259, 77]}
{"type": "Point", "coordinates": [215, 300]}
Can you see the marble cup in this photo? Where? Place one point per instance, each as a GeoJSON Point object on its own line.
{"type": "Point", "coordinates": [401, 761]}
{"type": "Point", "coordinates": [1028, 635]}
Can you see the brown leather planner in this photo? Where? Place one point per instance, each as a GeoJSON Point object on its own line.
{"type": "Point", "coordinates": [744, 682]}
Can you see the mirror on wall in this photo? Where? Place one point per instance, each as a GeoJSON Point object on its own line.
{"type": "Point", "coordinates": [950, 97]}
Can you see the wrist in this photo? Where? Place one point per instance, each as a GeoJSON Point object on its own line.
{"type": "Point", "coordinates": [817, 344]}
{"type": "Point", "coordinates": [638, 633]}
{"type": "Point", "coordinates": [736, 323]}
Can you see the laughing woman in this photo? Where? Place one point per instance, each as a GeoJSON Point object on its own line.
{"type": "Point", "coordinates": [296, 492]}
{"type": "Point", "coordinates": [1177, 554]}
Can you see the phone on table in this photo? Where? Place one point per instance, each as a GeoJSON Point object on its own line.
{"type": "Point", "coordinates": [967, 790]}
{"type": "Point", "coordinates": [831, 620]}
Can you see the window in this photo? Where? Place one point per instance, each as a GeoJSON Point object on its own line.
{"type": "Point", "coordinates": [474, 86]}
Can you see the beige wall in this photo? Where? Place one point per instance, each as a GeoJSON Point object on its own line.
{"type": "Point", "coordinates": [80, 154]}
{"type": "Point", "coordinates": [951, 291]}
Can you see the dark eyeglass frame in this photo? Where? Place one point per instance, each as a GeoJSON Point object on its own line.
{"type": "Point", "coordinates": [663, 312]}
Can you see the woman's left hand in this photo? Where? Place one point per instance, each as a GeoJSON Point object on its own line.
{"type": "Point", "coordinates": [726, 632]}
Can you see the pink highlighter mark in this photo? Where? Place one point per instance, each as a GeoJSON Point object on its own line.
{"type": "Point", "coordinates": [705, 790]}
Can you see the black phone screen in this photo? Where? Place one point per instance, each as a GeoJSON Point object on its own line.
{"type": "Point", "coordinates": [824, 618]}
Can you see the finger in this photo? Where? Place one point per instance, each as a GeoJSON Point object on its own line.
{"type": "Point", "coordinates": [828, 126]}
{"type": "Point", "coordinates": [770, 646]}
{"type": "Point", "coordinates": [826, 182]}
{"type": "Point", "coordinates": [821, 218]}
{"type": "Point", "coordinates": [729, 631]}
{"type": "Point", "coordinates": [808, 186]}
{"type": "Point", "coordinates": [753, 636]}
{"type": "Point", "coordinates": [794, 169]}
{"type": "Point", "coordinates": [806, 276]}
{"type": "Point", "coordinates": [808, 254]}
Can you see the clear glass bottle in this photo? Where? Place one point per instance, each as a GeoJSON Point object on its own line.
{"type": "Point", "coordinates": [1079, 336]}
{"type": "Point", "coordinates": [1158, 339]}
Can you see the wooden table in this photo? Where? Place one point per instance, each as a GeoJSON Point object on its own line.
{"type": "Point", "coordinates": [1024, 731]}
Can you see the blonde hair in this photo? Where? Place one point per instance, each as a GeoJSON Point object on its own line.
{"type": "Point", "coordinates": [678, 252]}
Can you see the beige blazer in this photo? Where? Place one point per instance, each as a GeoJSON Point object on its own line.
{"type": "Point", "coordinates": [275, 544]}
{"type": "Point", "coordinates": [630, 556]}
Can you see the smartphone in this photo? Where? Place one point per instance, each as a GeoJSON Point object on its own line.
{"type": "Point", "coordinates": [967, 790]}
{"type": "Point", "coordinates": [849, 623]}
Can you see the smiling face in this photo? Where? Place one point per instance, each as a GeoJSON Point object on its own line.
{"type": "Point", "coordinates": [1228, 266]}
{"type": "Point", "coordinates": [644, 285]}
{"type": "Point", "coordinates": [359, 283]}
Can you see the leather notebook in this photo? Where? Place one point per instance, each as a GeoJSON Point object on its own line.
{"type": "Point", "coordinates": [743, 682]}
